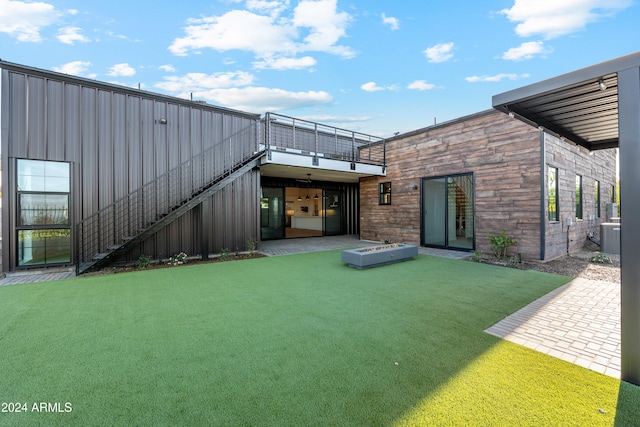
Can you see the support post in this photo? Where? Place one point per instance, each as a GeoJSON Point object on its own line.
{"type": "Point", "coordinates": [205, 217]}
{"type": "Point", "coordinates": [629, 155]}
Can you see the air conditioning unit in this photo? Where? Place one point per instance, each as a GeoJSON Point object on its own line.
{"type": "Point", "coordinates": [610, 238]}
{"type": "Point", "coordinates": [611, 211]}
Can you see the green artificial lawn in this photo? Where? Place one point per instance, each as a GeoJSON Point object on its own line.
{"type": "Point", "coordinates": [292, 340]}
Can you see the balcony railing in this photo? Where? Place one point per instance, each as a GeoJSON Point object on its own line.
{"type": "Point", "coordinates": [283, 133]}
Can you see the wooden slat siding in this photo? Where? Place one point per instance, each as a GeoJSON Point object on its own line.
{"type": "Point", "coordinates": [571, 160]}
{"type": "Point", "coordinates": [504, 154]}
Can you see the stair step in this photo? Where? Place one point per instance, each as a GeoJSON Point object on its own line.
{"type": "Point", "coordinates": [98, 257]}
{"type": "Point", "coordinates": [113, 247]}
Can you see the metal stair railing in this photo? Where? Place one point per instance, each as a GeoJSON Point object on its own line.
{"type": "Point", "coordinates": [103, 234]}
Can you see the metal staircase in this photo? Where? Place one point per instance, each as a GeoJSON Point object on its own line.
{"type": "Point", "coordinates": [116, 229]}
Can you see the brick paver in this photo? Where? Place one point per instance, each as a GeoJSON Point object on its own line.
{"type": "Point", "coordinates": [578, 322]}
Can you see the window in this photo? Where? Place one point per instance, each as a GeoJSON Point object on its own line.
{"type": "Point", "coordinates": [385, 193]}
{"type": "Point", "coordinates": [613, 193]}
{"type": "Point", "coordinates": [578, 197]}
{"type": "Point", "coordinates": [43, 226]}
{"type": "Point", "coordinates": [597, 190]}
{"type": "Point", "coordinates": [552, 194]}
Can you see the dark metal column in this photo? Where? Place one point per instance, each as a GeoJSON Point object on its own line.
{"type": "Point", "coordinates": [205, 217]}
{"type": "Point", "coordinates": [629, 132]}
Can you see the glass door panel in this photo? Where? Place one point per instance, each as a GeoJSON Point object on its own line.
{"type": "Point", "coordinates": [460, 195]}
{"type": "Point", "coordinates": [332, 207]}
{"type": "Point", "coordinates": [272, 218]}
{"type": "Point", "coordinates": [448, 212]}
{"type": "Point", "coordinates": [434, 211]}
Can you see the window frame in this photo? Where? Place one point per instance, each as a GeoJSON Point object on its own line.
{"type": "Point", "coordinates": [579, 198]}
{"type": "Point", "coordinates": [596, 186]}
{"type": "Point", "coordinates": [384, 193]}
{"type": "Point", "coordinates": [556, 211]}
{"type": "Point", "coordinates": [51, 236]}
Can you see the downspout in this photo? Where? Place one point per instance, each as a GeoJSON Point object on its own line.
{"type": "Point", "coordinates": [543, 219]}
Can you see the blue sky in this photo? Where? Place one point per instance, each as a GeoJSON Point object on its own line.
{"type": "Point", "coordinates": [377, 67]}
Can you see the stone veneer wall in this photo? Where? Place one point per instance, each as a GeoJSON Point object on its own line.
{"type": "Point", "coordinates": [504, 156]}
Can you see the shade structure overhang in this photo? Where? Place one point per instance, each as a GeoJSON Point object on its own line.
{"type": "Point", "coordinates": [581, 106]}
{"type": "Point", "coordinates": [598, 107]}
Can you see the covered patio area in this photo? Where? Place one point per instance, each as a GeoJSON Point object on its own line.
{"type": "Point", "coordinates": [598, 107]}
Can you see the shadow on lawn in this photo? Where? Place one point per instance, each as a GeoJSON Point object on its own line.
{"type": "Point", "coordinates": [628, 409]}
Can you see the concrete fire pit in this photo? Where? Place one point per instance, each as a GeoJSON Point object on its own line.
{"type": "Point", "coordinates": [378, 255]}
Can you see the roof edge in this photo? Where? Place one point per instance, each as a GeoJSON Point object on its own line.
{"type": "Point", "coordinates": [596, 71]}
{"type": "Point", "coordinates": [11, 66]}
{"type": "Point", "coordinates": [442, 124]}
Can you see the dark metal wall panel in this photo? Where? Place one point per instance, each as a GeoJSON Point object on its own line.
{"type": "Point", "coordinates": [116, 143]}
{"type": "Point", "coordinates": [89, 150]}
{"type": "Point", "coordinates": [133, 135]}
{"type": "Point", "coordinates": [36, 118]}
{"type": "Point", "coordinates": [55, 145]}
{"type": "Point", "coordinates": [119, 146]}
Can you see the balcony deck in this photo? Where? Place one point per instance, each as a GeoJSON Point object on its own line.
{"type": "Point", "coordinates": [321, 149]}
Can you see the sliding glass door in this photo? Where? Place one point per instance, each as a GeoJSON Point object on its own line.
{"type": "Point", "coordinates": [272, 219]}
{"type": "Point", "coordinates": [448, 212]}
{"type": "Point", "coordinates": [332, 208]}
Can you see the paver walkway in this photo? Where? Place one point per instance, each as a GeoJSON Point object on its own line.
{"type": "Point", "coordinates": [578, 322]}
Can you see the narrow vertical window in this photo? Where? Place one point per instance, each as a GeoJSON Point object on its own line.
{"type": "Point", "coordinates": [43, 225]}
{"type": "Point", "coordinates": [578, 197]}
{"type": "Point", "coordinates": [552, 194]}
{"type": "Point", "coordinates": [385, 193]}
{"type": "Point", "coordinates": [613, 193]}
{"type": "Point", "coordinates": [597, 195]}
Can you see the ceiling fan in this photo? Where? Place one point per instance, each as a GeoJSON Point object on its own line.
{"type": "Point", "coordinates": [306, 181]}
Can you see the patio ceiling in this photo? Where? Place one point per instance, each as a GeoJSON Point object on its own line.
{"type": "Point", "coordinates": [581, 106]}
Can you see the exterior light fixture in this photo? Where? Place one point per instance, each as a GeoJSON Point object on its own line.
{"type": "Point", "coordinates": [163, 121]}
{"type": "Point", "coordinates": [602, 85]}
{"type": "Point", "coordinates": [316, 196]}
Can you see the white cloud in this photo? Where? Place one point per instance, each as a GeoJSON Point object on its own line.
{"type": "Point", "coordinates": [554, 18]}
{"type": "Point", "coordinates": [25, 20]}
{"type": "Point", "coordinates": [75, 68]}
{"type": "Point", "coordinates": [233, 89]}
{"type": "Point", "coordinates": [285, 63]}
{"type": "Point", "coordinates": [194, 82]}
{"type": "Point", "coordinates": [324, 118]}
{"type": "Point", "coordinates": [440, 53]}
{"type": "Point", "coordinates": [168, 68]}
{"type": "Point", "coordinates": [325, 25]}
{"type": "Point", "coordinates": [70, 35]}
{"type": "Point", "coordinates": [266, 31]}
{"type": "Point", "coordinates": [496, 78]}
{"type": "Point", "coordinates": [391, 22]}
{"type": "Point", "coordinates": [259, 99]}
{"type": "Point", "coordinates": [421, 85]}
{"type": "Point", "coordinates": [270, 7]}
{"type": "Point", "coordinates": [526, 50]}
{"type": "Point", "coordinates": [371, 87]}
{"type": "Point", "coordinates": [124, 70]}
